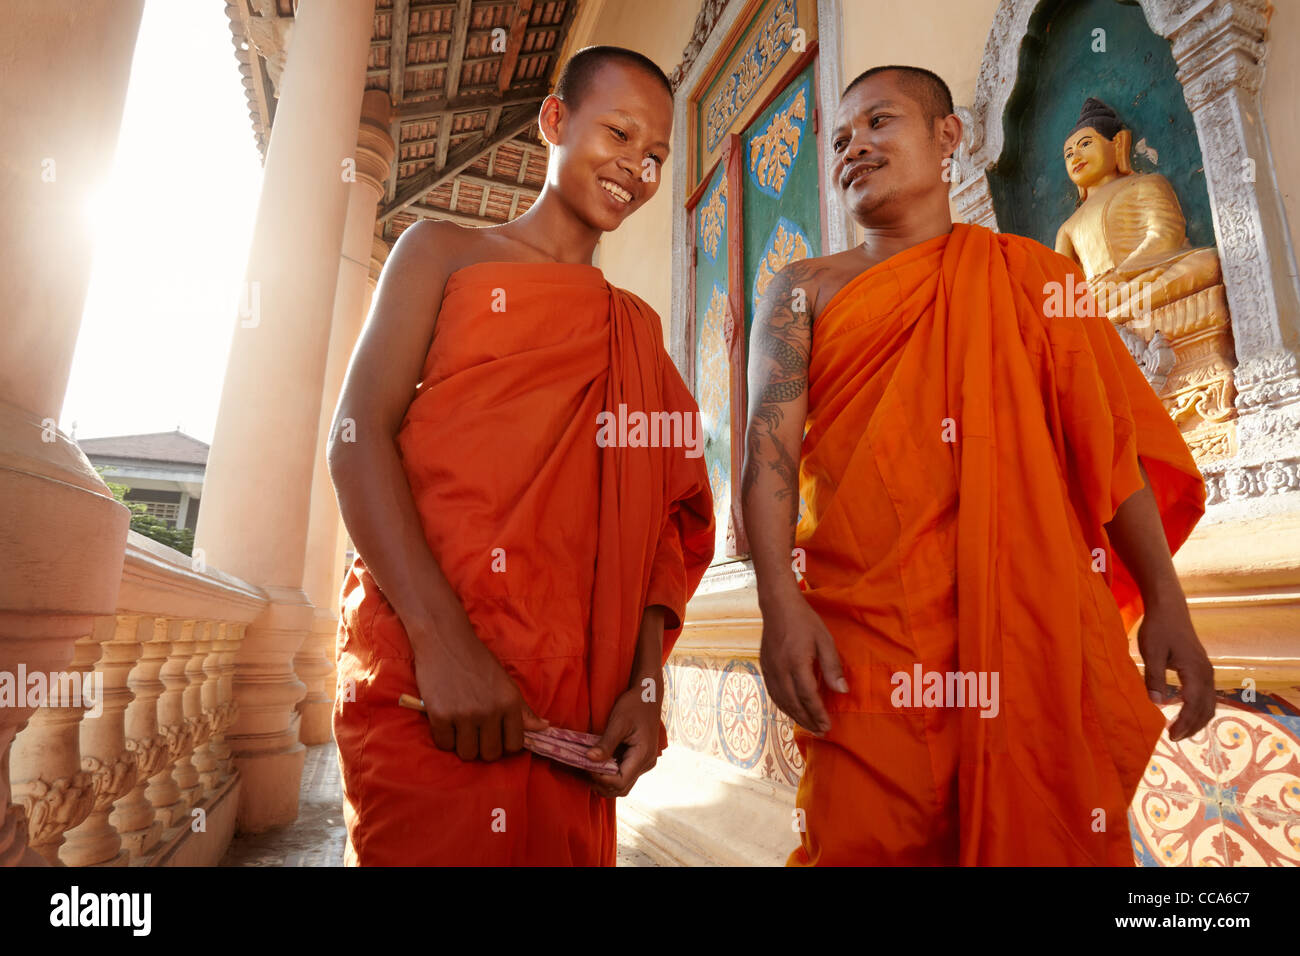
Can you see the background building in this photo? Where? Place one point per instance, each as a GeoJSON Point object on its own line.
{"type": "Point", "coordinates": [162, 470]}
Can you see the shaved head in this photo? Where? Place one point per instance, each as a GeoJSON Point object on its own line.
{"type": "Point", "coordinates": [581, 69]}
{"type": "Point", "coordinates": [925, 87]}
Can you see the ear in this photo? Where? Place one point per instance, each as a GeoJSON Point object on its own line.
{"type": "Point", "coordinates": [950, 134]}
{"type": "Point", "coordinates": [1083, 193]}
{"type": "Point", "coordinates": [1124, 151]}
{"type": "Point", "coordinates": [551, 119]}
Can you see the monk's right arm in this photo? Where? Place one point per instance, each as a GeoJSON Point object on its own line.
{"type": "Point", "coordinates": [778, 408]}
{"type": "Point", "coordinates": [794, 637]}
{"type": "Point", "coordinates": [374, 496]}
{"type": "Point", "coordinates": [473, 705]}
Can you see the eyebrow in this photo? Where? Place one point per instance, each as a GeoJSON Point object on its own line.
{"type": "Point", "coordinates": [630, 120]}
{"type": "Point", "coordinates": [869, 108]}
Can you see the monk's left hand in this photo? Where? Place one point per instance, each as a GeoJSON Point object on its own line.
{"type": "Point", "coordinates": [1167, 641]}
{"type": "Point", "coordinates": [633, 728]}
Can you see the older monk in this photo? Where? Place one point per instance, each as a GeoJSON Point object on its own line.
{"type": "Point", "coordinates": [993, 493]}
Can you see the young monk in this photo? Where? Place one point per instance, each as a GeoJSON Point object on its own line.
{"type": "Point", "coordinates": [519, 566]}
{"type": "Point", "coordinates": [992, 492]}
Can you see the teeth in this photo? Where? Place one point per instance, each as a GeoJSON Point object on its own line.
{"type": "Point", "coordinates": [616, 190]}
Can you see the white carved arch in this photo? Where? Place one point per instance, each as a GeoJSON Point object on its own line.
{"type": "Point", "coordinates": [1220, 47]}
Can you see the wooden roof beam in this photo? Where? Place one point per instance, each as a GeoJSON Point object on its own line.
{"type": "Point", "coordinates": [514, 43]}
{"type": "Point", "coordinates": [462, 218]}
{"type": "Point", "coordinates": [397, 55]}
{"type": "Point", "coordinates": [464, 155]}
{"type": "Point", "coordinates": [432, 108]}
{"type": "Point", "coordinates": [496, 182]}
{"type": "Point", "coordinates": [459, 32]}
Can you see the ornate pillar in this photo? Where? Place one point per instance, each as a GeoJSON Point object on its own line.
{"type": "Point", "coordinates": [61, 533]}
{"type": "Point", "coordinates": [1220, 55]}
{"type": "Point", "coordinates": [133, 815]}
{"type": "Point", "coordinates": [375, 153]}
{"type": "Point", "coordinates": [971, 199]}
{"type": "Point", "coordinates": [196, 720]}
{"type": "Point", "coordinates": [50, 782]}
{"type": "Point", "coordinates": [176, 720]}
{"type": "Point", "coordinates": [270, 405]}
{"type": "Point", "coordinates": [205, 756]}
{"type": "Point", "coordinates": [228, 706]}
{"type": "Point", "coordinates": [104, 751]}
{"type": "Point", "coordinates": [163, 791]}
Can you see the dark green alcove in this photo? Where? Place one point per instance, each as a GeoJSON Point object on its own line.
{"type": "Point", "coordinates": [1058, 70]}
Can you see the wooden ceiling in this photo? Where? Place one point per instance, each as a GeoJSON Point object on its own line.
{"type": "Point", "coordinates": [465, 99]}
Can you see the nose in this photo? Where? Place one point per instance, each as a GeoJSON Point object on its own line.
{"type": "Point", "coordinates": [629, 165]}
{"type": "Point", "coordinates": [858, 147]}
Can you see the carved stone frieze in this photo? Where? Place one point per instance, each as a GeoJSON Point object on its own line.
{"type": "Point", "coordinates": [1268, 380]}
{"type": "Point", "coordinates": [54, 807]}
{"type": "Point", "coordinates": [710, 10]}
{"type": "Point", "coordinates": [1232, 483]}
{"type": "Point", "coordinates": [270, 34]}
{"type": "Point", "coordinates": [150, 755]}
{"type": "Point", "coordinates": [179, 739]}
{"type": "Point", "coordinates": [198, 729]}
{"type": "Point", "coordinates": [110, 780]}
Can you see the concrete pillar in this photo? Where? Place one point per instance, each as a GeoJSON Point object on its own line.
{"type": "Point", "coordinates": [133, 815]}
{"type": "Point", "coordinates": [62, 535]}
{"type": "Point", "coordinates": [104, 749]}
{"type": "Point", "coordinates": [322, 579]}
{"type": "Point", "coordinates": [257, 491]}
{"type": "Point", "coordinates": [163, 791]}
{"type": "Point", "coordinates": [50, 780]}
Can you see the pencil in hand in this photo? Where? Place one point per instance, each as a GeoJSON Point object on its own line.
{"type": "Point", "coordinates": [564, 746]}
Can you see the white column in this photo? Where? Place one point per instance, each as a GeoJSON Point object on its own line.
{"type": "Point", "coordinates": [314, 663]}
{"type": "Point", "coordinates": [270, 405]}
{"type": "Point", "coordinates": [66, 65]}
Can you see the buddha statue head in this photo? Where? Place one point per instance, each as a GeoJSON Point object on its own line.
{"type": "Point", "coordinates": [1097, 148]}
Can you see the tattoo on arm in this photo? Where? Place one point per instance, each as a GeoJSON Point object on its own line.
{"type": "Point", "coordinates": [780, 349]}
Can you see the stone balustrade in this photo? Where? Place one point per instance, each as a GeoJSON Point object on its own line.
{"type": "Point", "coordinates": [129, 764]}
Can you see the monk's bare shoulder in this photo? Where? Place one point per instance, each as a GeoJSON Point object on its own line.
{"type": "Point", "coordinates": [821, 277]}
{"type": "Point", "coordinates": [800, 288]}
{"type": "Point", "coordinates": [450, 246]}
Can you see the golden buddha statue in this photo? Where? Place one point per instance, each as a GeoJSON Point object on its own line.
{"type": "Point", "coordinates": [1129, 233]}
{"type": "Point", "coordinates": [1165, 297]}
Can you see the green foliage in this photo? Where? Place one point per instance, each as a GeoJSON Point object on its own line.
{"type": "Point", "coordinates": [181, 539]}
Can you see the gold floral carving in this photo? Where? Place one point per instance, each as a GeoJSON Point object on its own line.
{"type": "Point", "coordinates": [773, 153]}
{"type": "Point", "coordinates": [787, 247]}
{"type": "Point", "coordinates": [715, 383]}
{"type": "Point", "coordinates": [713, 219]}
{"type": "Point", "coordinates": [750, 71]}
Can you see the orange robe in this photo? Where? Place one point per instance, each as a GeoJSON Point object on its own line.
{"type": "Point", "coordinates": [963, 452]}
{"type": "Point", "coordinates": [553, 543]}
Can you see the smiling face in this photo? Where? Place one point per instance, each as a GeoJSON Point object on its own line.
{"type": "Point", "coordinates": [1089, 158]}
{"type": "Point", "coordinates": [609, 152]}
{"type": "Point", "coordinates": [887, 152]}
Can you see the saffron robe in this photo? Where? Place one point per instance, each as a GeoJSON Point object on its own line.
{"type": "Point", "coordinates": [554, 544]}
{"type": "Point", "coordinates": [964, 449]}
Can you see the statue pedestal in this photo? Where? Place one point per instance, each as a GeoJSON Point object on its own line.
{"type": "Point", "coordinates": [1199, 391]}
